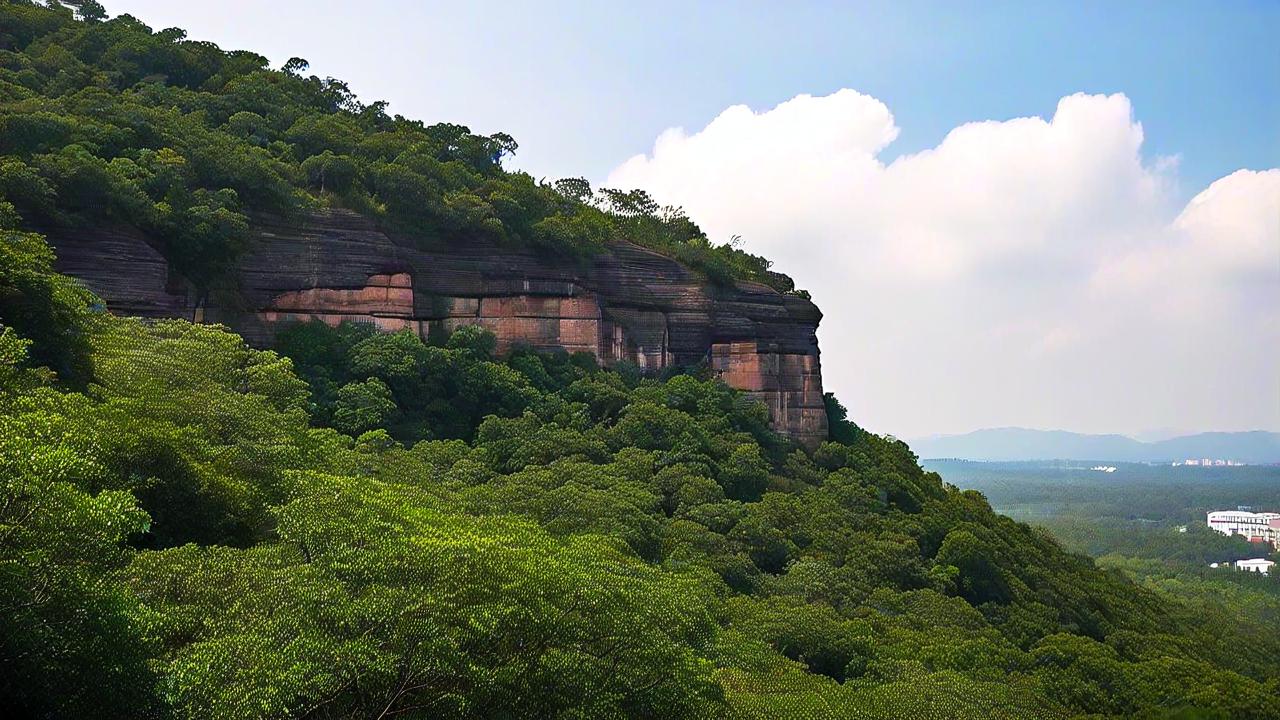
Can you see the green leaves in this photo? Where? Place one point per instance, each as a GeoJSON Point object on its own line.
{"type": "Point", "coordinates": [48, 310]}
{"type": "Point", "coordinates": [363, 406]}
{"type": "Point", "coordinates": [980, 577]}
{"type": "Point", "coordinates": [377, 601]}
{"type": "Point", "coordinates": [60, 614]}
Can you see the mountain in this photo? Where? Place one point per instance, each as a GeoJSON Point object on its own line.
{"type": "Point", "coordinates": [1257, 446]}
{"type": "Point", "coordinates": [1001, 444]}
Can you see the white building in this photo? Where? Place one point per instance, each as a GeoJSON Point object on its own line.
{"type": "Point", "coordinates": [1254, 527]}
{"type": "Point", "coordinates": [1258, 565]}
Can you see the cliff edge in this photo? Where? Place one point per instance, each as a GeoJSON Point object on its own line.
{"type": "Point", "coordinates": [626, 304]}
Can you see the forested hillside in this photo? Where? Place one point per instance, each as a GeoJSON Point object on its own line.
{"type": "Point", "coordinates": [104, 121]}
{"type": "Point", "coordinates": [358, 524]}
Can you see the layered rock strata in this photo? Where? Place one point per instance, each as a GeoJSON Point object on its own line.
{"type": "Point", "coordinates": [626, 304]}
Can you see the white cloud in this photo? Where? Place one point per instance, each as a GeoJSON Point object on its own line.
{"type": "Point", "coordinates": [1028, 271]}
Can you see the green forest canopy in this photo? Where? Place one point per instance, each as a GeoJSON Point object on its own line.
{"type": "Point", "coordinates": [105, 121]}
{"type": "Point", "coordinates": [367, 525]}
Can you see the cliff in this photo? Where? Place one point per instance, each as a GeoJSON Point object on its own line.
{"type": "Point", "coordinates": [629, 303]}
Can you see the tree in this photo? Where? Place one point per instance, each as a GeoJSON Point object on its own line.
{"type": "Point", "coordinates": [61, 612]}
{"type": "Point", "coordinates": [477, 340]}
{"type": "Point", "coordinates": [363, 406]}
{"type": "Point", "coordinates": [370, 584]}
{"type": "Point", "coordinates": [745, 474]}
{"type": "Point", "coordinates": [980, 576]}
{"type": "Point", "coordinates": [839, 428]}
{"type": "Point", "coordinates": [295, 66]}
{"type": "Point", "coordinates": [328, 172]}
{"type": "Point", "coordinates": [46, 309]}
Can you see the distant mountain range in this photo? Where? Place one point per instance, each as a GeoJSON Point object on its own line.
{"type": "Point", "coordinates": [1008, 444]}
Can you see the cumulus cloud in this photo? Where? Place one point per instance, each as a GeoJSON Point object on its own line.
{"type": "Point", "coordinates": [1029, 271]}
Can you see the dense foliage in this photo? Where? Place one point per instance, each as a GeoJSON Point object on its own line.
{"type": "Point", "coordinates": [186, 532]}
{"type": "Point", "coordinates": [105, 121]}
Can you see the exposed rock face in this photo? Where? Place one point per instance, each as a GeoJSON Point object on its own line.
{"type": "Point", "coordinates": [123, 270]}
{"type": "Point", "coordinates": [626, 304]}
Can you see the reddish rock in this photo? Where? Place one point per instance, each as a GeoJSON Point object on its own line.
{"type": "Point", "coordinates": [628, 303]}
{"type": "Point", "coordinates": [790, 384]}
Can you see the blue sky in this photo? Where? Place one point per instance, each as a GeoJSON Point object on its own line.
{"type": "Point", "coordinates": [1043, 214]}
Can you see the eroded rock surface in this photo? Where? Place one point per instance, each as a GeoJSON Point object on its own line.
{"type": "Point", "coordinates": [629, 303]}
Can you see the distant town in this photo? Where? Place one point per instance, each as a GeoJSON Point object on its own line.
{"type": "Point", "coordinates": [1209, 462]}
{"type": "Point", "coordinates": [1262, 528]}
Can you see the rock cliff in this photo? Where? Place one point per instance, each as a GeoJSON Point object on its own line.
{"type": "Point", "coordinates": [625, 304]}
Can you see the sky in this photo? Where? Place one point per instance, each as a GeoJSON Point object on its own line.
{"type": "Point", "coordinates": [1048, 215]}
